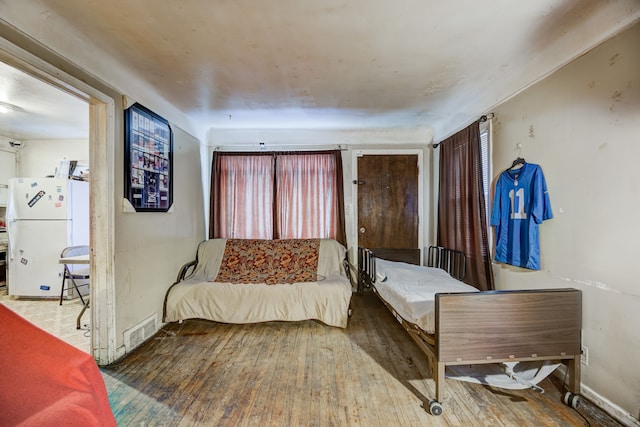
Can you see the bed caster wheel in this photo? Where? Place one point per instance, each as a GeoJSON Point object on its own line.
{"type": "Point", "coordinates": [571, 399]}
{"type": "Point", "coordinates": [435, 408]}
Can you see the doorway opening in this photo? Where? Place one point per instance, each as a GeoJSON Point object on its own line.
{"type": "Point", "coordinates": [101, 142]}
{"type": "Point", "coordinates": [45, 136]}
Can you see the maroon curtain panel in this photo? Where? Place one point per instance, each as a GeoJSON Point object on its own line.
{"type": "Point", "coordinates": [214, 196]}
{"type": "Point", "coordinates": [462, 219]}
{"type": "Point", "coordinates": [342, 234]}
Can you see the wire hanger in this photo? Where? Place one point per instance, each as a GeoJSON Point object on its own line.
{"type": "Point", "coordinates": [518, 161]}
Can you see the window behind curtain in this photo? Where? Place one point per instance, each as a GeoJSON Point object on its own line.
{"type": "Point", "coordinates": [245, 202]}
{"type": "Point", "coordinates": [306, 196]}
{"type": "Point", "coordinates": [486, 166]}
{"type": "Point", "coordinates": [277, 195]}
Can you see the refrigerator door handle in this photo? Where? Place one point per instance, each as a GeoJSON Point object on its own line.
{"type": "Point", "coordinates": [11, 238]}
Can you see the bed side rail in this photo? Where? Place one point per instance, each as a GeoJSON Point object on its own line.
{"type": "Point", "coordinates": [366, 268]}
{"type": "Point", "coordinates": [451, 261]}
{"type": "Point", "coordinates": [505, 325]}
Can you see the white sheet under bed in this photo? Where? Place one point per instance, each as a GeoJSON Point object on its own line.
{"type": "Point", "coordinates": [411, 289]}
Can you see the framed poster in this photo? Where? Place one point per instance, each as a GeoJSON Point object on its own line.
{"type": "Point", "coordinates": [148, 183]}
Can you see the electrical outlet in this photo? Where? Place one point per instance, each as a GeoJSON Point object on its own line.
{"type": "Point", "coordinates": [584, 355]}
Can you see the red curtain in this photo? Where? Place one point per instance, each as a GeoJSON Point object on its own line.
{"type": "Point", "coordinates": [462, 221]}
{"type": "Point", "coordinates": [277, 195]}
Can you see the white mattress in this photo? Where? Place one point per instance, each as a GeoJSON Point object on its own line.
{"type": "Point", "coordinates": [411, 289]}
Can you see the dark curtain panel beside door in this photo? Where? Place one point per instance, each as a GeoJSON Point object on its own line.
{"type": "Point", "coordinates": [462, 221]}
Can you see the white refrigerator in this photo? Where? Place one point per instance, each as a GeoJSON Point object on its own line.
{"type": "Point", "coordinates": [44, 215]}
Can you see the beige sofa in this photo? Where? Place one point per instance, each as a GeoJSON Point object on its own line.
{"type": "Point", "coordinates": [249, 281]}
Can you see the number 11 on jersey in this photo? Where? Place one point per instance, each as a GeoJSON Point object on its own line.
{"type": "Point", "coordinates": [517, 198]}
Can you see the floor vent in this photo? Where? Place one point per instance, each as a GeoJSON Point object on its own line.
{"type": "Point", "coordinates": [138, 334]}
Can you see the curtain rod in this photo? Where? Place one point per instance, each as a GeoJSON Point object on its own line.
{"type": "Point", "coordinates": [481, 119]}
{"type": "Point", "coordinates": [282, 147]}
{"type": "Point", "coordinates": [485, 117]}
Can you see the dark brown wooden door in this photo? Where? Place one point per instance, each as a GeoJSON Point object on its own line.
{"type": "Point", "coordinates": [388, 201]}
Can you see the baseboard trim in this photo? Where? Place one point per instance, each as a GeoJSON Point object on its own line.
{"type": "Point", "coordinates": [611, 408]}
{"type": "Point", "coordinates": [601, 402]}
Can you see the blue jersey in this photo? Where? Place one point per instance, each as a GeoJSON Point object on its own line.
{"type": "Point", "coordinates": [521, 202]}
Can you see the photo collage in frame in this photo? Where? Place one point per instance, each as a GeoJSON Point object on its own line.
{"type": "Point", "coordinates": [148, 160]}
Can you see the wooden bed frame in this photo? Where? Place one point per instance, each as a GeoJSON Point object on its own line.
{"type": "Point", "coordinates": [492, 326]}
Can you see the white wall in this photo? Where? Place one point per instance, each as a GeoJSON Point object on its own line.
{"type": "Point", "coordinates": [582, 125]}
{"type": "Point", "coordinates": [148, 248]}
{"type": "Point", "coordinates": [151, 247]}
{"type": "Point", "coordinates": [38, 158]}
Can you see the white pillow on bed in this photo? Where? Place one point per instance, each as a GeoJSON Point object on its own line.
{"type": "Point", "coordinates": [403, 272]}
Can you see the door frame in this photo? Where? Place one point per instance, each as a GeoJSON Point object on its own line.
{"type": "Point", "coordinates": [101, 110]}
{"type": "Point", "coordinates": [355, 154]}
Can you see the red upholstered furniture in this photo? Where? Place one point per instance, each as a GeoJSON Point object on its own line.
{"type": "Point", "coordinates": [45, 381]}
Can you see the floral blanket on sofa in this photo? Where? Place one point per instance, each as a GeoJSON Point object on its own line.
{"type": "Point", "coordinates": [269, 261]}
{"type": "Point", "coordinates": [249, 281]}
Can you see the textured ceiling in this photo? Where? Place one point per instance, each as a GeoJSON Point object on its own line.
{"type": "Point", "coordinates": [333, 64]}
{"type": "Point", "coordinates": [38, 110]}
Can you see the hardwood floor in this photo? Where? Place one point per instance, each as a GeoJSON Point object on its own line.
{"type": "Point", "coordinates": [308, 374]}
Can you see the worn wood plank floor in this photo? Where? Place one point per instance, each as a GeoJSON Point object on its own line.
{"type": "Point", "coordinates": [203, 373]}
